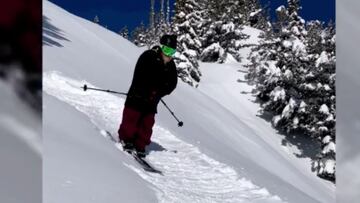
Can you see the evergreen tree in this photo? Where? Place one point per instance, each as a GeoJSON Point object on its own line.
{"type": "Point", "coordinates": [222, 30]}
{"type": "Point", "coordinates": [323, 75]}
{"type": "Point", "coordinates": [259, 17]}
{"type": "Point", "coordinates": [138, 35]}
{"type": "Point", "coordinates": [152, 14]}
{"type": "Point", "coordinates": [124, 32]}
{"type": "Point", "coordinates": [151, 34]}
{"type": "Point", "coordinates": [294, 71]}
{"type": "Point", "coordinates": [162, 12]}
{"type": "Point", "coordinates": [186, 22]}
{"type": "Point", "coordinates": [96, 20]}
{"type": "Point", "coordinates": [158, 26]}
{"type": "Point", "coordinates": [168, 12]}
{"type": "Point", "coordinates": [285, 57]}
{"type": "Point", "coordinates": [161, 27]}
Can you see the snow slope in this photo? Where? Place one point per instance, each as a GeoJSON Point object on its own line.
{"type": "Point", "coordinates": [225, 153]}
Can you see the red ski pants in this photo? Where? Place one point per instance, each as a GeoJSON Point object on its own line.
{"type": "Point", "coordinates": [136, 127]}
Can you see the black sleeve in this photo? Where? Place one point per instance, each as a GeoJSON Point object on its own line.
{"type": "Point", "coordinates": [171, 82]}
{"type": "Point", "coordinates": [143, 71]}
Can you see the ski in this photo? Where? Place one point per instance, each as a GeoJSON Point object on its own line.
{"type": "Point", "coordinates": [145, 165]}
{"type": "Point", "coordinates": [141, 161]}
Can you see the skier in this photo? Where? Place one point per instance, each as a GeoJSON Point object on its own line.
{"type": "Point", "coordinates": [154, 77]}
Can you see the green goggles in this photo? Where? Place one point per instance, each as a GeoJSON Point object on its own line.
{"type": "Point", "coordinates": [168, 51]}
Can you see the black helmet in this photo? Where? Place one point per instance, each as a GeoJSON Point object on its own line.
{"type": "Point", "coordinates": [169, 41]}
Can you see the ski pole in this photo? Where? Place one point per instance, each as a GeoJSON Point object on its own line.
{"type": "Point", "coordinates": [85, 87]}
{"type": "Point", "coordinates": [180, 123]}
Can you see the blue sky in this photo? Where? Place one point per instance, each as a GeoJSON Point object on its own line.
{"type": "Point", "coordinates": [115, 14]}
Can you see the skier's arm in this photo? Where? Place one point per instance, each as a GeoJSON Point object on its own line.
{"type": "Point", "coordinates": [143, 70]}
{"type": "Point", "coordinates": [171, 82]}
{"type": "Point", "coordinates": [144, 82]}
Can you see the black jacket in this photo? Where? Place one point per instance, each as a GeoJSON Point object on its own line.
{"type": "Point", "coordinates": [151, 81]}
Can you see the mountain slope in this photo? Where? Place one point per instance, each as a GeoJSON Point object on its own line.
{"type": "Point", "coordinates": [225, 153]}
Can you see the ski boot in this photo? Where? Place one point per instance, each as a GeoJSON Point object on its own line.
{"type": "Point", "coordinates": [127, 146]}
{"type": "Point", "coordinates": [140, 153]}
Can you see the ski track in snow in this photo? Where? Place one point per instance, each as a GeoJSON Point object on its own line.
{"type": "Point", "coordinates": [189, 175]}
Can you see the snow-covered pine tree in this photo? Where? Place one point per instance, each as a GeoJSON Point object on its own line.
{"type": "Point", "coordinates": [158, 26]}
{"type": "Point", "coordinates": [138, 35]}
{"type": "Point", "coordinates": [253, 9]}
{"type": "Point", "coordinates": [222, 30]}
{"type": "Point", "coordinates": [186, 22]}
{"type": "Point", "coordinates": [322, 76]}
{"type": "Point", "coordinates": [96, 19]}
{"type": "Point", "coordinates": [210, 30]}
{"type": "Point", "coordinates": [315, 36]}
{"type": "Point", "coordinates": [162, 12]}
{"type": "Point", "coordinates": [167, 18]}
{"type": "Point", "coordinates": [262, 56]}
{"type": "Point", "coordinates": [285, 59]}
{"type": "Point", "coordinates": [124, 32]}
{"type": "Point", "coordinates": [161, 26]}
{"type": "Point", "coordinates": [151, 35]}
{"type": "Point", "coordinates": [259, 17]}
{"type": "Point", "coordinates": [295, 75]}
{"type": "Point", "coordinates": [152, 14]}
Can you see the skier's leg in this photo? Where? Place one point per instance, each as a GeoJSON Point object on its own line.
{"type": "Point", "coordinates": [145, 132]}
{"type": "Point", "coordinates": [129, 125]}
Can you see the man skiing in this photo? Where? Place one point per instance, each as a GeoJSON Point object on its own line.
{"type": "Point", "coordinates": [154, 77]}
